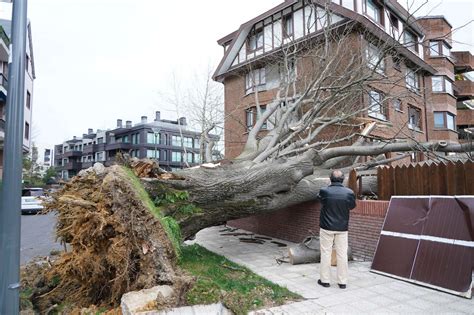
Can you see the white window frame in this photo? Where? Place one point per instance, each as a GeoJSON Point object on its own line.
{"type": "Point", "coordinates": [373, 55]}
{"type": "Point", "coordinates": [412, 80]}
{"type": "Point", "coordinates": [376, 106]}
{"type": "Point", "coordinates": [255, 80]}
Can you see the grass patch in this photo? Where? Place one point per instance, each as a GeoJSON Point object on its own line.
{"type": "Point", "coordinates": [219, 279]}
{"type": "Point", "coordinates": [169, 224]}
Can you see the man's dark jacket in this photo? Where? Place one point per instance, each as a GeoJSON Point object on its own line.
{"type": "Point", "coordinates": [336, 201]}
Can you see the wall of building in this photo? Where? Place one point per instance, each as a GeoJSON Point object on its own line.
{"type": "Point", "coordinates": [296, 223]}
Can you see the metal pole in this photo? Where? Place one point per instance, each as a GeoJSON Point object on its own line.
{"type": "Point", "coordinates": [10, 203]}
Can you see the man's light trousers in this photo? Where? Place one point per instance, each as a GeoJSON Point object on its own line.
{"type": "Point", "coordinates": [340, 241]}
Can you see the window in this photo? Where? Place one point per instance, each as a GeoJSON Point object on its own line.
{"type": "Point", "coordinates": [27, 63]}
{"type": "Point", "coordinates": [414, 118]}
{"type": "Point", "coordinates": [263, 108]}
{"type": "Point", "coordinates": [287, 26]}
{"type": "Point", "coordinates": [444, 120]}
{"type": "Point", "coordinates": [188, 142]}
{"type": "Point", "coordinates": [397, 104]}
{"type": "Point", "coordinates": [439, 48]}
{"type": "Point", "coordinates": [176, 156]}
{"type": "Point", "coordinates": [189, 157]}
{"type": "Point", "coordinates": [375, 58]}
{"type": "Point", "coordinates": [27, 131]}
{"type": "Point", "coordinates": [153, 138]}
{"type": "Point", "coordinates": [255, 41]}
{"type": "Point", "coordinates": [100, 140]}
{"type": "Point", "coordinates": [28, 100]}
{"type": "Point", "coordinates": [410, 40]}
{"type": "Point", "coordinates": [99, 156]}
{"type": "Point", "coordinates": [412, 80]}
{"type": "Point", "coordinates": [136, 138]}
{"type": "Point", "coordinates": [176, 141]}
{"type": "Point", "coordinates": [440, 84]}
{"type": "Point", "coordinates": [197, 158]}
{"type": "Point", "coordinates": [250, 117]}
{"type": "Point", "coordinates": [196, 143]}
{"type": "Point", "coordinates": [255, 80]}
{"type": "Point", "coordinates": [374, 10]}
{"type": "Point", "coordinates": [153, 154]}
{"type": "Point", "coordinates": [164, 156]}
{"type": "Point", "coordinates": [376, 108]}
{"type": "Point", "coordinates": [125, 139]}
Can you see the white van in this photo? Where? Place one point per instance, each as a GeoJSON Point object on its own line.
{"type": "Point", "coordinates": [31, 201]}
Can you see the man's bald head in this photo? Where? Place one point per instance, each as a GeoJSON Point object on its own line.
{"type": "Point", "coordinates": [337, 176]}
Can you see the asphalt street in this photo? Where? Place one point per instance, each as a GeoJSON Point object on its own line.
{"type": "Point", "coordinates": [37, 236]}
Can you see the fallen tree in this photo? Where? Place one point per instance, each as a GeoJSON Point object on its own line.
{"type": "Point", "coordinates": [125, 233]}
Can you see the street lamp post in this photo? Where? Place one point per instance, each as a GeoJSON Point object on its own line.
{"type": "Point", "coordinates": [10, 201]}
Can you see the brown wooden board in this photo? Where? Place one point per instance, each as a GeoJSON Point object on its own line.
{"type": "Point", "coordinates": [444, 265]}
{"type": "Point", "coordinates": [429, 241]}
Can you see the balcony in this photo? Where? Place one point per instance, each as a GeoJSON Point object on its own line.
{"type": "Point", "coordinates": [465, 117]}
{"type": "Point", "coordinates": [3, 87]}
{"type": "Point", "coordinates": [72, 166]}
{"type": "Point", "coordinates": [464, 61]}
{"type": "Point", "coordinates": [86, 165]}
{"type": "Point", "coordinates": [69, 154]}
{"type": "Point", "coordinates": [89, 149]}
{"type": "Point", "coordinates": [464, 90]}
{"type": "Point", "coordinates": [118, 146]}
{"type": "Point", "coordinates": [4, 44]}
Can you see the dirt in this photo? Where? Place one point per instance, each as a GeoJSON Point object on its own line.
{"type": "Point", "coordinates": [116, 244]}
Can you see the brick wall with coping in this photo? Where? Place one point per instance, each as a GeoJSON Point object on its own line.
{"type": "Point", "coordinates": [295, 223]}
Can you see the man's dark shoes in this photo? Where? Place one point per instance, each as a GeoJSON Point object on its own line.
{"type": "Point", "coordinates": [342, 286]}
{"type": "Point", "coordinates": [326, 285]}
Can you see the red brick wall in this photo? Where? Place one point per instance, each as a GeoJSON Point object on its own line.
{"type": "Point", "coordinates": [295, 223]}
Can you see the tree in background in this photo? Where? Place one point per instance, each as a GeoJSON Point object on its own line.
{"type": "Point", "coordinates": [31, 168]}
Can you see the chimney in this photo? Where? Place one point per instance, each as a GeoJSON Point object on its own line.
{"type": "Point", "coordinates": [182, 121]}
{"type": "Point", "coordinates": [128, 124]}
{"type": "Point", "coordinates": [90, 131]}
{"type": "Point", "coordinates": [84, 135]}
{"type": "Point", "coordinates": [157, 115]}
{"type": "Point", "coordinates": [119, 123]}
{"type": "Point", "coordinates": [144, 119]}
{"type": "Point", "coordinates": [74, 138]}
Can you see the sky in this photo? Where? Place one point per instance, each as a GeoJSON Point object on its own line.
{"type": "Point", "coordinates": [101, 60]}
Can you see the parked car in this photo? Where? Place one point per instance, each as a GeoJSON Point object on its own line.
{"type": "Point", "coordinates": [31, 200]}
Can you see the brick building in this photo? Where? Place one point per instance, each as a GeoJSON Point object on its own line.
{"type": "Point", "coordinates": [436, 83]}
{"type": "Point", "coordinates": [434, 86]}
{"type": "Point", "coordinates": [169, 141]}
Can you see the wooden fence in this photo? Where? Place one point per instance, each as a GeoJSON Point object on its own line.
{"type": "Point", "coordinates": [451, 178]}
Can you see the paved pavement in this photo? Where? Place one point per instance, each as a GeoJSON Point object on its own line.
{"type": "Point", "coordinates": [366, 292]}
{"type": "Point", "coordinates": [37, 236]}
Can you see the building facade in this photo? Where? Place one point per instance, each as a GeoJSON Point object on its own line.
{"type": "Point", "coordinates": [168, 141]}
{"type": "Point", "coordinates": [30, 75]}
{"type": "Point", "coordinates": [437, 91]}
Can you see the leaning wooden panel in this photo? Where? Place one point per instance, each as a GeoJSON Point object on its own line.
{"type": "Point", "coordinates": [443, 229]}
{"type": "Point", "coordinates": [444, 266]}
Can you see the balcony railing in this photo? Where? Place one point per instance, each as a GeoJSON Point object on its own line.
{"type": "Point", "coordinates": [464, 61]}
{"type": "Point", "coordinates": [2, 124]}
{"type": "Point", "coordinates": [464, 89]}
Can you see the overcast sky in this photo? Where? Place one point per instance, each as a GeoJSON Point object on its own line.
{"type": "Point", "coordinates": [100, 60]}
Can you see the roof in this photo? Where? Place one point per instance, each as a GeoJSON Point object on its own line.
{"type": "Point", "coordinates": [238, 37]}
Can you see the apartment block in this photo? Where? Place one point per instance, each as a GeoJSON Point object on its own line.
{"type": "Point", "coordinates": [434, 81]}
{"type": "Point", "coordinates": [170, 142]}
{"type": "Point", "coordinates": [30, 75]}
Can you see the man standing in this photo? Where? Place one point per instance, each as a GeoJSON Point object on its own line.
{"type": "Point", "coordinates": [336, 202]}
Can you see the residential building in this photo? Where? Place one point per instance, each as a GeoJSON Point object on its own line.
{"type": "Point", "coordinates": [423, 62]}
{"type": "Point", "coordinates": [170, 142]}
{"type": "Point", "coordinates": [30, 75]}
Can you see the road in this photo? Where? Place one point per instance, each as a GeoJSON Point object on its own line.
{"type": "Point", "coordinates": [37, 236]}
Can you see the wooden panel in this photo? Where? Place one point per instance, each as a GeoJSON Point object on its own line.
{"type": "Point", "coordinates": [395, 256]}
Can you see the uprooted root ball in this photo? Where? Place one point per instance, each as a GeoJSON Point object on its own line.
{"type": "Point", "coordinates": [117, 244]}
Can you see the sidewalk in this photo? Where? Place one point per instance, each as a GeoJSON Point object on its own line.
{"type": "Point", "coordinates": [366, 292]}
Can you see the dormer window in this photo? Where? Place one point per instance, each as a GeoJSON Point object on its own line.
{"type": "Point", "coordinates": [288, 25]}
{"type": "Point", "coordinates": [255, 41]}
{"type": "Point", "coordinates": [374, 10]}
{"type": "Point", "coordinates": [255, 80]}
{"type": "Point", "coordinates": [439, 48]}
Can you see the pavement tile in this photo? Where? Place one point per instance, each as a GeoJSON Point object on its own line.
{"type": "Point", "coordinates": [367, 292]}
